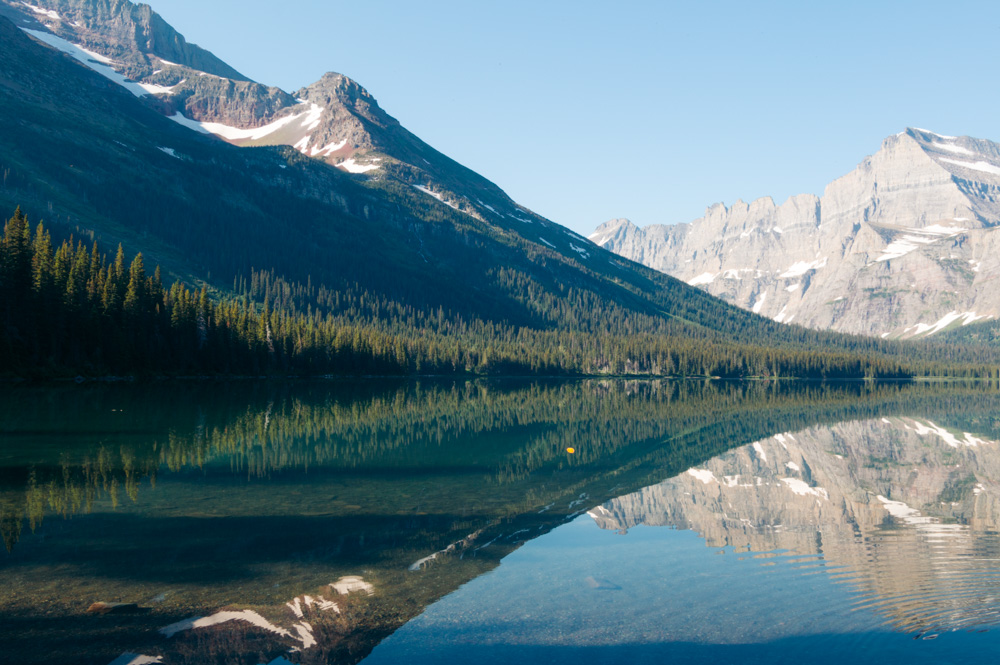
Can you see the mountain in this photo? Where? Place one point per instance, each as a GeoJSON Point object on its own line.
{"type": "Point", "coordinates": [905, 245]}
{"type": "Point", "coordinates": [382, 244]}
{"type": "Point", "coordinates": [334, 119]}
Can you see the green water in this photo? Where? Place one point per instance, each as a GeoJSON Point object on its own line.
{"type": "Point", "coordinates": [190, 499]}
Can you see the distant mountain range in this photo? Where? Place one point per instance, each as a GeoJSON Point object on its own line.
{"type": "Point", "coordinates": [318, 203]}
{"type": "Point", "coordinates": [905, 245]}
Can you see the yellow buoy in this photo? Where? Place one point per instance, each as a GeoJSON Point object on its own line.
{"type": "Point", "coordinates": [571, 450]}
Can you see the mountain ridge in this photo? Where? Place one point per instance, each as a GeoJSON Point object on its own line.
{"type": "Point", "coordinates": [924, 205]}
{"type": "Point", "coordinates": [445, 269]}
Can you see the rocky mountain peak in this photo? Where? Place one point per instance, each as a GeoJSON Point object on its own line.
{"type": "Point", "coordinates": [902, 245]}
{"type": "Point", "coordinates": [618, 228]}
{"type": "Point", "coordinates": [333, 90]}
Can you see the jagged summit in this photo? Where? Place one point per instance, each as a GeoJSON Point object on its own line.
{"type": "Point", "coordinates": [333, 88]}
{"type": "Point", "coordinates": [902, 245]}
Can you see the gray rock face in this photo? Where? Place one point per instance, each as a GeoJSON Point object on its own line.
{"type": "Point", "coordinates": [904, 245]}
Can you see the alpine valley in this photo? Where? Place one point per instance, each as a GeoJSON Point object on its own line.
{"type": "Point", "coordinates": [310, 233]}
{"type": "Point", "coordinates": [903, 246]}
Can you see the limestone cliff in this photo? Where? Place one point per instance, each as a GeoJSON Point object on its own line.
{"type": "Point", "coordinates": [904, 245]}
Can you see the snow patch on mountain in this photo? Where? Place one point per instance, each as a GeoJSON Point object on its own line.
{"type": "Point", "coordinates": [313, 116]}
{"type": "Point", "coordinates": [95, 61]}
{"type": "Point", "coordinates": [952, 148]}
{"type": "Point", "coordinates": [354, 167]}
{"type": "Point", "coordinates": [985, 167]}
{"type": "Point", "coordinates": [928, 329]}
{"type": "Point", "coordinates": [44, 12]}
{"type": "Point", "coordinates": [800, 268]}
{"type": "Point", "coordinates": [704, 278]}
{"type": "Point", "coordinates": [328, 149]}
{"type": "Point", "coordinates": [235, 133]}
{"type": "Point", "coordinates": [802, 489]}
{"type": "Point", "coordinates": [154, 89]}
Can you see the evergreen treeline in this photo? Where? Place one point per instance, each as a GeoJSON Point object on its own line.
{"type": "Point", "coordinates": [71, 309]}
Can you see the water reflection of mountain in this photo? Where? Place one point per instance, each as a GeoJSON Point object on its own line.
{"type": "Point", "coordinates": [908, 508]}
{"type": "Point", "coordinates": [195, 499]}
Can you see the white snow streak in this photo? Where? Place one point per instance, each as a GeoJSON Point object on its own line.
{"type": "Point", "coordinates": [802, 489]}
{"type": "Point", "coordinates": [45, 12]}
{"type": "Point", "coordinates": [945, 321]}
{"type": "Point", "coordinates": [351, 584]}
{"type": "Point", "coordinates": [328, 149]}
{"type": "Point", "coordinates": [704, 278]}
{"type": "Point", "coordinates": [249, 616]}
{"type": "Point", "coordinates": [312, 118]}
{"type": "Point", "coordinates": [802, 267]}
{"type": "Point", "coordinates": [760, 450]}
{"type": "Point", "coordinates": [985, 167]}
{"type": "Point", "coordinates": [908, 242]}
{"type": "Point", "coordinates": [235, 133]}
{"type": "Point", "coordinates": [94, 61]}
{"type": "Point", "coordinates": [129, 658]}
{"type": "Point", "coordinates": [704, 475]}
{"type": "Point", "coordinates": [354, 167]}
{"type": "Point", "coordinates": [952, 148]}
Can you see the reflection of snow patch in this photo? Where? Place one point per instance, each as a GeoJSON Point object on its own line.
{"type": "Point", "coordinates": [802, 489]}
{"type": "Point", "coordinates": [351, 584]}
{"type": "Point", "coordinates": [760, 450]}
{"type": "Point", "coordinates": [704, 475]}
{"type": "Point", "coordinates": [129, 658]}
{"type": "Point", "coordinates": [249, 616]}
{"type": "Point", "coordinates": [967, 440]}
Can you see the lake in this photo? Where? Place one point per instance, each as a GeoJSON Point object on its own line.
{"type": "Point", "coordinates": [499, 521]}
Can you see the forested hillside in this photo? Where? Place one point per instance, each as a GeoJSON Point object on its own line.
{"type": "Point", "coordinates": [73, 309]}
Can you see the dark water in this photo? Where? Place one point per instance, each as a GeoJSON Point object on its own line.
{"type": "Point", "coordinates": [447, 522]}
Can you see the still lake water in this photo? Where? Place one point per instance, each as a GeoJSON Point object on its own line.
{"type": "Point", "coordinates": [336, 522]}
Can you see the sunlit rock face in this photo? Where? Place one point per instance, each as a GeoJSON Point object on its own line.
{"type": "Point", "coordinates": [904, 245]}
{"type": "Point", "coordinates": [902, 509]}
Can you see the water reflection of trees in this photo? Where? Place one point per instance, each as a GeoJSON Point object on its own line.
{"type": "Point", "coordinates": [81, 445]}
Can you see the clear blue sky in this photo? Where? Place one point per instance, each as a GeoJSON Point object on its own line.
{"type": "Point", "coordinates": [584, 111]}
